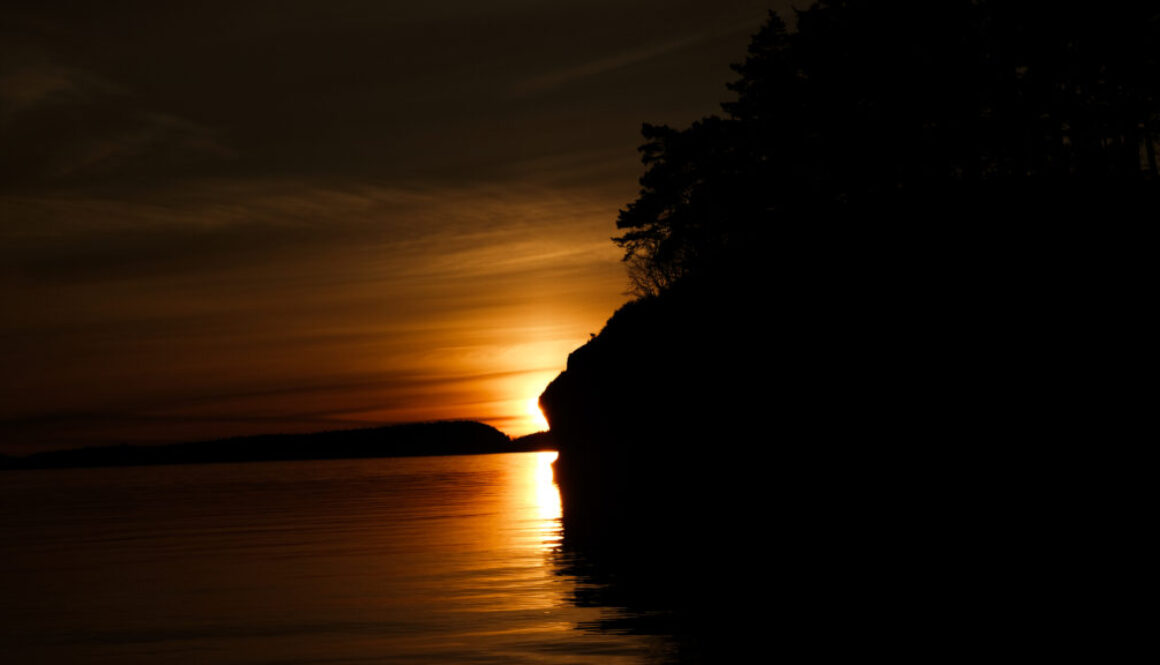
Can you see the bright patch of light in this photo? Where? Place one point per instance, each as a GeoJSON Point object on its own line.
{"type": "Point", "coordinates": [546, 499]}
{"type": "Point", "coordinates": [534, 412]}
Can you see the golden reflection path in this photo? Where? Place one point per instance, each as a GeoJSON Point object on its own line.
{"type": "Point", "coordinates": [546, 499]}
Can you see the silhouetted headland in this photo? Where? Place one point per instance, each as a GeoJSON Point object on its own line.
{"type": "Point", "coordinates": [875, 304]}
{"type": "Point", "coordinates": [407, 440]}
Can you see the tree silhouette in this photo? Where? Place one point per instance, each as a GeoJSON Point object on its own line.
{"type": "Point", "coordinates": [901, 105]}
{"type": "Point", "coordinates": [680, 221]}
{"type": "Point", "coordinates": [900, 281]}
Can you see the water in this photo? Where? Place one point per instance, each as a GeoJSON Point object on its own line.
{"type": "Point", "coordinates": [417, 560]}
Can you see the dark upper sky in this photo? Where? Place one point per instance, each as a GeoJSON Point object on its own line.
{"type": "Point", "coordinates": [249, 216]}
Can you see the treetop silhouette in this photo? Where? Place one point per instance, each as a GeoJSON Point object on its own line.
{"type": "Point", "coordinates": [884, 103]}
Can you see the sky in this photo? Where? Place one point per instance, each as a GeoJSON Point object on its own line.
{"type": "Point", "coordinates": [243, 217]}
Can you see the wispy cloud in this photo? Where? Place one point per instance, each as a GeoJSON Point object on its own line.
{"type": "Point", "coordinates": [215, 225]}
{"type": "Point", "coordinates": [60, 122]}
{"type": "Point", "coordinates": [403, 214]}
{"type": "Point", "coordinates": [296, 301]}
{"type": "Point", "coordinates": [560, 77]}
{"type": "Point", "coordinates": [27, 87]}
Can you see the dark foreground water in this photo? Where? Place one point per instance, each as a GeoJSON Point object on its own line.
{"type": "Point", "coordinates": [419, 560]}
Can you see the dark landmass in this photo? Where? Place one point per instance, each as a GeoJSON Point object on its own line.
{"type": "Point", "coordinates": [537, 441]}
{"type": "Point", "coordinates": [409, 440]}
{"type": "Point", "coordinates": [879, 303]}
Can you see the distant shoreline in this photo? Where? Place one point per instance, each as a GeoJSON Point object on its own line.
{"type": "Point", "coordinates": [459, 437]}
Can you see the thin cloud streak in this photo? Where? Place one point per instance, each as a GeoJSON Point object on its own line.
{"type": "Point", "coordinates": [418, 303]}
{"type": "Point", "coordinates": [342, 216]}
{"type": "Point", "coordinates": [562, 77]}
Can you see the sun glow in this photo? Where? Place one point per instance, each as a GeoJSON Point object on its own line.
{"type": "Point", "coordinates": [535, 413]}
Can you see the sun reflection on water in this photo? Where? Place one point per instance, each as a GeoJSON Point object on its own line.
{"type": "Point", "coordinates": [546, 499]}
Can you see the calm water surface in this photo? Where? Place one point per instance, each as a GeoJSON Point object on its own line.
{"type": "Point", "coordinates": [419, 560]}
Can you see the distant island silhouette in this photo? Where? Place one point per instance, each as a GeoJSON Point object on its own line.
{"type": "Point", "coordinates": [406, 440]}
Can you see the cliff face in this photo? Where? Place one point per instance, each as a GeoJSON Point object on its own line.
{"type": "Point", "coordinates": [688, 432]}
{"type": "Point", "coordinates": [871, 432]}
{"type": "Point", "coordinates": [654, 411]}
{"type": "Point", "coordinates": [854, 362]}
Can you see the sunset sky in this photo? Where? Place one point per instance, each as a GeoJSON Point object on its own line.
{"type": "Point", "coordinates": [226, 218]}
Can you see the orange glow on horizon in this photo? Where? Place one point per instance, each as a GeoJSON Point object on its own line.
{"type": "Point", "coordinates": [536, 414]}
{"type": "Point", "coordinates": [466, 321]}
